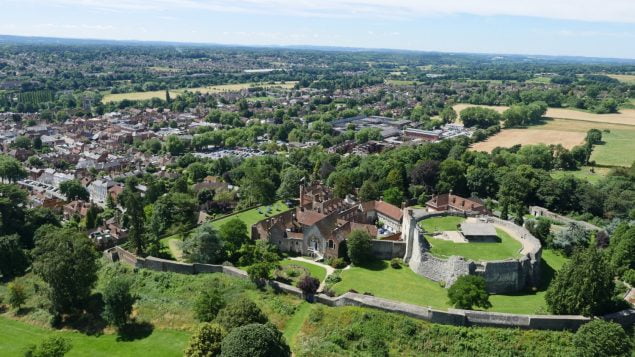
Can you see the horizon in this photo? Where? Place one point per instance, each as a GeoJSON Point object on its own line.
{"type": "Point", "coordinates": [569, 28]}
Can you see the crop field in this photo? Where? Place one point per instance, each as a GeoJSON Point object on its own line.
{"type": "Point", "coordinates": [511, 137]}
{"type": "Point", "coordinates": [625, 116]}
{"type": "Point", "coordinates": [209, 89]}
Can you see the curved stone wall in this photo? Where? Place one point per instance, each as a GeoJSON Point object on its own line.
{"type": "Point", "coordinates": [501, 276]}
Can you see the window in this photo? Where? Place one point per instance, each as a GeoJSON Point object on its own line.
{"type": "Point", "coordinates": [331, 244]}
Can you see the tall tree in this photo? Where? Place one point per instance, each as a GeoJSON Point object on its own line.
{"type": "Point", "coordinates": [10, 169]}
{"type": "Point", "coordinates": [73, 190]}
{"type": "Point", "coordinates": [135, 216]}
{"type": "Point", "coordinates": [13, 260]}
{"type": "Point", "coordinates": [204, 245]}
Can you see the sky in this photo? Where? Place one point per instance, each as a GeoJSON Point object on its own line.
{"type": "Point", "coordinates": [549, 27]}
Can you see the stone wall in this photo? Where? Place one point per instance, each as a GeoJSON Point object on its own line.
{"type": "Point", "coordinates": [455, 317]}
{"type": "Point", "coordinates": [543, 212]}
{"type": "Point", "coordinates": [387, 249]}
{"type": "Point", "coordinates": [504, 276]}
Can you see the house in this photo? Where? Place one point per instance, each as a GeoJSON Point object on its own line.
{"type": "Point", "coordinates": [450, 202]}
{"type": "Point", "coordinates": [321, 223]}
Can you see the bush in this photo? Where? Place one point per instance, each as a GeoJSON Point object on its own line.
{"type": "Point", "coordinates": [240, 312]}
{"type": "Point", "coordinates": [602, 338]}
{"type": "Point", "coordinates": [208, 304]}
{"type": "Point", "coordinates": [259, 273]}
{"type": "Point", "coordinates": [17, 295]}
{"type": "Point", "coordinates": [254, 340]}
{"type": "Point", "coordinates": [309, 285]}
{"type": "Point", "coordinates": [206, 341]}
{"type": "Point", "coordinates": [51, 347]}
{"type": "Point", "coordinates": [468, 291]}
{"type": "Point", "coordinates": [337, 263]}
{"type": "Point", "coordinates": [395, 263]}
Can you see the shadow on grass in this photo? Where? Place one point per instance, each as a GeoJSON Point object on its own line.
{"type": "Point", "coordinates": [375, 265]}
{"type": "Point", "coordinates": [23, 311]}
{"type": "Point", "coordinates": [135, 330]}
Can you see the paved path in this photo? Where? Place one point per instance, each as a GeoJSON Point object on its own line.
{"type": "Point", "coordinates": [329, 269]}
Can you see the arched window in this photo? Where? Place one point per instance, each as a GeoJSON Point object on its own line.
{"type": "Point", "coordinates": [331, 244]}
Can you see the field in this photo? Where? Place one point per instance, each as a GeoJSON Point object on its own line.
{"type": "Point", "coordinates": [511, 137]}
{"type": "Point", "coordinates": [626, 78]}
{"type": "Point", "coordinates": [400, 82]}
{"type": "Point", "coordinates": [477, 251]}
{"type": "Point", "coordinates": [174, 92]}
{"type": "Point", "coordinates": [618, 149]}
{"type": "Point", "coordinates": [404, 285]}
{"type": "Point", "coordinates": [585, 173]}
{"type": "Point", "coordinates": [440, 224]}
{"type": "Point", "coordinates": [252, 216]}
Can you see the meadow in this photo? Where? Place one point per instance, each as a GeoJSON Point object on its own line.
{"type": "Point", "coordinates": [590, 174]}
{"type": "Point", "coordinates": [208, 89]}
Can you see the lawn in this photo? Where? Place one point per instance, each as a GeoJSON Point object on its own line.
{"type": "Point", "coordinates": [508, 247]}
{"type": "Point", "coordinates": [404, 285]}
{"type": "Point", "coordinates": [441, 224]}
{"type": "Point", "coordinates": [252, 216]}
{"type": "Point", "coordinates": [617, 150]}
{"type": "Point", "coordinates": [584, 173]}
{"type": "Point", "coordinates": [316, 271]}
{"type": "Point", "coordinates": [175, 92]}
{"type": "Point", "coordinates": [17, 335]}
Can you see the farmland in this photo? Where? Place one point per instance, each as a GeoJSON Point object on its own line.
{"type": "Point", "coordinates": [209, 89]}
{"type": "Point", "coordinates": [626, 78]}
{"type": "Point", "coordinates": [511, 137]}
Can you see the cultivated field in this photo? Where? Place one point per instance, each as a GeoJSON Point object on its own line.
{"type": "Point", "coordinates": [510, 137]}
{"type": "Point", "coordinates": [209, 89]}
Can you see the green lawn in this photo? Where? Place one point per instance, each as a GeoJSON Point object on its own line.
{"type": "Point", "coordinates": [252, 216]}
{"type": "Point", "coordinates": [316, 271]}
{"type": "Point", "coordinates": [477, 251]}
{"type": "Point", "coordinates": [404, 285]}
{"type": "Point", "coordinates": [617, 148]}
{"type": "Point", "coordinates": [295, 323]}
{"type": "Point", "coordinates": [584, 174]}
{"type": "Point", "coordinates": [16, 336]}
{"type": "Point", "coordinates": [440, 224]}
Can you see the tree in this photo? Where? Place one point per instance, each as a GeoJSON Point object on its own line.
{"type": "Point", "coordinates": [448, 115]}
{"type": "Point", "coordinates": [197, 171]}
{"type": "Point", "coordinates": [254, 340]}
{"type": "Point", "coordinates": [573, 236]}
{"type": "Point", "coordinates": [291, 178]}
{"type": "Point", "coordinates": [240, 312]}
{"type": "Point", "coordinates": [11, 169]}
{"type": "Point", "coordinates": [135, 216]}
{"type": "Point", "coordinates": [257, 187]}
{"type": "Point", "coordinates": [480, 117]}
{"type": "Point", "coordinates": [602, 338]}
{"type": "Point", "coordinates": [13, 260]}
{"type": "Point", "coordinates": [22, 142]}
{"type": "Point", "coordinates": [208, 304]}
{"type": "Point", "coordinates": [175, 146]}
{"type": "Point", "coordinates": [118, 301]}
{"type": "Point", "coordinates": [539, 228]}
{"type": "Point", "coordinates": [359, 246]}
{"type": "Point", "coordinates": [92, 216]}
{"type": "Point", "coordinates": [622, 249]}
{"type": "Point", "coordinates": [369, 191]}
{"type": "Point", "coordinates": [204, 245]}
{"type": "Point", "coordinates": [425, 173]}
{"type": "Point", "coordinates": [393, 196]}
{"type": "Point", "coordinates": [584, 285]}
{"type": "Point", "coordinates": [73, 190]}
{"type": "Point", "coordinates": [452, 177]}
{"type": "Point", "coordinates": [66, 259]}
{"type": "Point", "coordinates": [54, 346]}
{"type": "Point", "coordinates": [17, 295]}
{"type": "Point", "coordinates": [260, 272]}
{"type": "Point", "coordinates": [234, 235]}
{"type": "Point", "coordinates": [206, 341]}
{"type": "Point", "coordinates": [309, 285]}
{"type": "Point", "coordinates": [469, 291]}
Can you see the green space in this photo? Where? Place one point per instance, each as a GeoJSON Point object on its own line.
{"type": "Point", "coordinates": [617, 148]}
{"type": "Point", "coordinates": [405, 285]}
{"type": "Point", "coordinates": [295, 323]}
{"type": "Point", "coordinates": [508, 247]}
{"type": "Point", "coordinates": [540, 80]}
{"type": "Point", "coordinates": [314, 270]}
{"type": "Point", "coordinates": [400, 82]}
{"type": "Point", "coordinates": [441, 224]}
{"type": "Point", "coordinates": [588, 173]}
{"type": "Point", "coordinates": [252, 216]}
{"type": "Point", "coordinates": [17, 335]}
{"type": "Point", "coordinates": [357, 331]}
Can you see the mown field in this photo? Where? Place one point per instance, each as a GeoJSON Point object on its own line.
{"type": "Point", "coordinates": [585, 173]}
{"type": "Point", "coordinates": [175, 92]}
{"type": "Point", "coordinates": [405, 285]}
{"type": "Point", "coordinates": [508, 247]}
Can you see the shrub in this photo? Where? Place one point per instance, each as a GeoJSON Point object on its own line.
{"type": "Point", "coordinates": [602, 338]}
{"type": "Point", "coordinates": [333, 278]}
{"type": "Point", "coordinates": [208, 304]}
{"type": "Point", "coordinates": [206, 341]}
{"type": "Point", "coordinates": [240, 312]}
{"type": "Point", "coordinates": [309, 285]}
{"type": "Point", "coordinates": [317, 314]}
{"type": "Point", "coordinates": [468, 291]}
{"type": "Point", "coordinates": [259, 273]}
{"type": "Point", "coordinates": [629, 277]}
{"type": "Point", "coordinates": [54, 346]}
{"type": "Point", "coordinates": [359, 246]}
{"type": "Point", "coordinates": [338, 263]}
{"type": "Point", "coordinates": [254, 340]}
{"type": "Point", "coordinates": [395, 263]}
{"type": "Point", "coordinates": [118, 301]}
{"type": "Point", "coordinates": [17, 295]}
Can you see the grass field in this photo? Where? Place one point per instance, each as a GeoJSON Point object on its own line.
{"type": "Point", "coordinates": [511, 137]}
{"type": "Point", "coordinates": [252, 216]}
{"type": "Point", "coordinates": [584, 173]}
{"type": "Point", "coordinates": [477, 251]}
{"type": "Point", "coordinates": [626, 78]}
{"type": "Point", "coordinates": [175, 92]}
{"type": "Point", "coordinates": [316, 271]}
{"type": "Point", "coordinates": [404, 285]}
{"type": "Point", "coordinates": [618, 148]}
{"type": "Point", "coordinates": [540, 80]}
{"type": "Point", "coordinates": [17, 335]}
{"type": "Point", "coordinates": [400, 82]}
{"type": "Point", "coordinates": [440, 224]}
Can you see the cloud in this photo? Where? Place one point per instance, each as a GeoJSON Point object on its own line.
{"type": "Point", "coordinates": [585, 10]}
